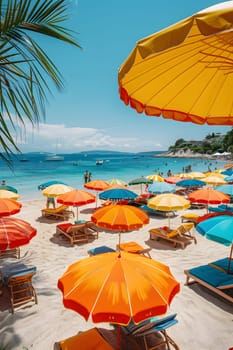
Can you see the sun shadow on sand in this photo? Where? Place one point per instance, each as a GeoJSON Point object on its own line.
{"type": "Point", "coordinates": [45, 220]}
{"type": "Point", "coordinates": [65, 242]}
{"type": "Point", "coordinates": [211, 297]}
{"type": "Point", "coordinates": [161, 245]}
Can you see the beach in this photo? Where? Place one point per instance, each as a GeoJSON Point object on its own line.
{"type": "Point", "coordinates": [205, 320]}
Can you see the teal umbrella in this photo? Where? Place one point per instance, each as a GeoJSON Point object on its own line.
{"type": "Point", "coordinates": [218, 229]}
{"type": "Point", "coordinates": [117, 194]}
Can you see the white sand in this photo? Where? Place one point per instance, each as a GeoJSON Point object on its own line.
{"type": "Point", "coordinates": [205, 320]}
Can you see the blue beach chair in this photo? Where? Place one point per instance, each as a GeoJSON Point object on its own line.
{"type": "Point", "coordinates": [153, 329]}
{"type": "Point", "coordinates": [212, 278]}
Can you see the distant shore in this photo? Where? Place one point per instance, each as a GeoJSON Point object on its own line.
{"type": "Point", "coordinates": [190, 154]}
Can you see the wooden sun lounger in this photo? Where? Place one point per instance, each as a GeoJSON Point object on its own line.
{"type": "Point", "coordinates": [10, 253]}
{"type": "Point", "coordinates": [58, 213]}
{"type": "Point", "coordinates": [179, 236]}
{"type": "Point", "coordinates": [19, 282]}
{"type": "Point", "coordinates": [135, 248]}
{"type": "Point", "coordinates": [153, 332]}
{"type": "Point", "coordinates": [78, 233]}
{"type": "Point", "coordinates": [212, 278]}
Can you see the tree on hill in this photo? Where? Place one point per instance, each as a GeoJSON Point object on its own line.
{"type": "Point", "coordinates": [24, 66]}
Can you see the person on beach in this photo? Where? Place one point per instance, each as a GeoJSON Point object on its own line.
{"type": "Point", "coordinates": [3, 183]}
{"type": "Point", "coordinates": [169, 173]}
{"type": "Point", "coordinates": [50, 202]}
{"type": "Point", "coordinates": [89, 177]}
{"type": "Point", "coordinates": [86, 176]}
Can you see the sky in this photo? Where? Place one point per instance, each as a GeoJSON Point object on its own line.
{"type": "Point", "coordinates": [88, 113]}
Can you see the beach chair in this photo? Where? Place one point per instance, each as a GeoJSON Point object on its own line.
{"type": "Point", "coordinates": [10, 253]}
{"type": "Point", "coordinates": [223, 264]}
{"type": "Point", "coordinates": [135, 248]}
{"type": "Point", "coordinates": [100, 250]}
{"type": "Point", "coordinates": [88, 340]}
{"type": "Point", "coordinates": [62, 212]}
{"type": "Point", "coordinates": [212, 278]}
{"type": "Point", "coordinates": [153, 331]}
{"type": "Point", "coordinates": [19, 283]}
{"type": "Point", "coordinates": [174, 236]}
{"type": "Point", "coordinates": [78, 233]}
{"type": "Point", "coordinates": [190, 217]}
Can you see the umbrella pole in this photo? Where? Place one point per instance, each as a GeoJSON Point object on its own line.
{"type": "Point", "coordinates": [77, 213]}
{"type": "Point", "coordinates": [119, 337]}
{"type": "Point", "coordinates": [168, 219]}
{"type": "Point", "coordinates": [229, 260]}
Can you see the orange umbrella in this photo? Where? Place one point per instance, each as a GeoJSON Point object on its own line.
{"type": "Point", "coordinates": [118, 287]}
{"type": "Point", "coordinates": [97, 185]}
{"type": "Point", "coordinates": [121, 218]}
{"type": "Point", "coordinates": [184, 72]}
{"type": "Point", "coordinates": [15, 233]}
{"type": "Point", "coordinates": [76, 198]}
{"type": "Point", "coordinates": [9, 207]}
{"type": "Point", "coordinates": [172, 179]}
{"type": "Point", "coordinates": [208, 196]}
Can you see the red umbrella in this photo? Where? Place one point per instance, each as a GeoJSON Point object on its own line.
{"type": "Point", "coordinates": [208, 196]}
{"type": "Point", "coordinates": [9, 207]}
{"type": "Point", "coordinates": [76, 198]}
{"type": "Point", "coordinates": [15, 233]}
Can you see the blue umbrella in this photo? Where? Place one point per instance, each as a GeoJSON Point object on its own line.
{"type": "Point", "coordinates": [228, 189]}
{"type": "Point", "coordinates": [218, 229]}
{"type": "Point", "coordinates": [49, 183]}
{"type": "Point", "coordinates": [190, 183]}
{"type": "Point", "coordinates": [229, 178]}
{"type": "Point", "coordinates": [227, 172]}
{"type": "Point", "coordinates": [117, 194]}
{"type": "Point", "coordinates": [161, 187]}
{"type": "Point", "coordinates": [8, 188]}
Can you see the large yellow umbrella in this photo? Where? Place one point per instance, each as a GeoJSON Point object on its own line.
{"type": "Point", "coordinates": [8, 194]}
{"type": "Point", "coordinates": [184, 72]}
{"type": "Point", "coordinates": [168, 202]}
{"type": "Point", "coordinates": [56, 190]}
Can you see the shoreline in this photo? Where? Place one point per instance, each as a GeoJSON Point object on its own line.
{"type": "Point", "coordinates": [190, 154]}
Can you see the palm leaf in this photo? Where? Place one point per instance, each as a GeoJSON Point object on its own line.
{"type": "Point", "coordinates": [25, 66]}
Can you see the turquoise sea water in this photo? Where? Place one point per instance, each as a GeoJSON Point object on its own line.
{"type": "Point", "coordinates": [27, 175]}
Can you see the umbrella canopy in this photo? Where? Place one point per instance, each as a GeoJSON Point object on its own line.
{"type": "Point", "coordinates": [8, 188]}
{"type": "Point", "coordinates": [218, 229]}
{"type": "Point", "coordinates": [117, 182]}
{"type": "Point", "coordinates": [9, 207]}
{"type": "Point", "coordinates": [117, 194]}
{"type": "Point", "coordinates": [168, 202]}
{"type": "Point", "coordinates": [56, 190]}
{"type": "Point", "coordinates": [214, 180]}
{"type": "Point", "coordinates": [9, 194]}
{"type": "Point", "coordinates": [197, 174]}
{"type": "Point", "coordinates": [155, 177]}
{"type": "Point", "coordinates": [208, 196]}
{"type": "Point", "coordinates": [190, 183]}
{"type": "Point", "coordinates": [140, 181]}
{"type": "Point", "coordinates": [229, 178]}
{"type": "Point", "coordinates": [161, 187]}
{"type": "Point", "coordinates": [49, 183]}
{"type": "Point", "coordinates": [120, 218]}
{"type": "Point", "coordinates": [227, 172]}
{"type": "Point", "coordinates": [76, 198]}
{"type": "Point", "coordinates": [172, 179]}
{"type": "Point", "coordinates": [97, 185]}
{"type": "Point", "coordinates": [228, 189]}
{"type": "Point", "coordinates": [184, 71]}
{"type": "Point", "coordinates": [15, 233]}
{"type": "Point", "coordinates": [118, 287]}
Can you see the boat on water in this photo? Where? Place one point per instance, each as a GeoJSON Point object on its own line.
{"type": "Point", "coordinates": [53, 157]}
{"type": "Point", "coordinates": [99, 162]}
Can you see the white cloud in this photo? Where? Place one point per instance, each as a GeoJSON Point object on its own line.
{"type": "Point", "coordinates": [62, 139]}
